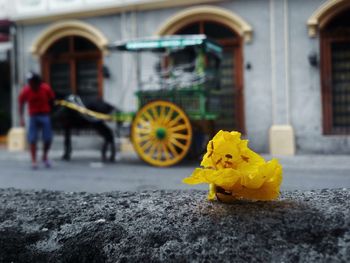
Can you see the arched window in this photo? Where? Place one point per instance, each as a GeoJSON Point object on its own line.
{"type": "Point", "coordinates": [73, 65]}
{"type": "Point", "coordinates": [335, 74]}
{"type": "Point", "coordinates": [230, 95]}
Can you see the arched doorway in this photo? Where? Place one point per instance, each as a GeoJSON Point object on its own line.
{"type": "Point", "coordinates": [73, 65]}
{"type": "Point", "coordinates": [335, 73]}
{"type": "Point", "coordinates": [230, 30]}
{"type": "Point", "coordinates": [71, 54]}
{"type": "Point", "coordinates": [231, 91]}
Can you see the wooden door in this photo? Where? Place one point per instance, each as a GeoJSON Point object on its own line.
{"type": "Point", "coordinates": [336, 84]}
{"type": "Point", "coordinates": [335, 74]}
{"type": "Point", "coordinates": [73, 65]}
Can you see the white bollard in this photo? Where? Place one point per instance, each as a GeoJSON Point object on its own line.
{"type": "Point", "coordinates": [16, 139]}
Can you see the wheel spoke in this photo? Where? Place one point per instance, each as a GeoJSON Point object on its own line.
{"type": "Point", "coordinates": [172, 149]}
{"type": "Point", "coordinates": [178, 144]}
{"type": "Point", "coordinates": [154, 113]}
{"type": "Point", "coordinates": [166, 152]}
{"type": "Point", "coordinates": [143, 122]}
{"type": "Point", "coordinates": [180, 136]}
{"type": "Point", "coordinates": [178, 128]}
{"type": "Point", "coordinates": [148, 116]}
{"type": "Point", "coordinates": [167, 117]}
{"type": "Point", "coordinates": [152, 149]}
{"type": "Point", "coordinates": [144, 138]}
{"type": "Point", "coordinates": [174, 121]}
{"type": "Point", "coordinates": [159, 151]}
{"type": "Point", "coordinates": [162, 114]}
{"type": "Point", "coordinates": [143, 130]}
{"type": "Point", "coordinates": [146, 145]}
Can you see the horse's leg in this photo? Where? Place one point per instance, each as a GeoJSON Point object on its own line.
{"type": "Point", "coordinates": [100, 128]}
{"type": "Point", "coordinates": [104, 150]}
{"type": "Point", "coordinates": [108, 140]}
{"type": "Point", "coordinates": [67, 144]}
{"type": "Point", "coordinates": [113, 151]}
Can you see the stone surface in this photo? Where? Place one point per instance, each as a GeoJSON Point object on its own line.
{"type": "Point", "coordinates": [172, 226]}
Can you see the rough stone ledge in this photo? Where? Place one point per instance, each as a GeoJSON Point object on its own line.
{"type": "Point", "coordinates": [173, 226]}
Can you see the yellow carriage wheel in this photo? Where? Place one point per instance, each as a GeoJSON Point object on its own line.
{"type": "Point", "coordinates": [161, 133]}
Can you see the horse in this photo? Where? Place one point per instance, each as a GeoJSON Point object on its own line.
{"type": "Point", "coordinates": [68, 119]}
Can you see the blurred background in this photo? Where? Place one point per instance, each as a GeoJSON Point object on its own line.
{"type": "Point", "coordinates": [284, 82]}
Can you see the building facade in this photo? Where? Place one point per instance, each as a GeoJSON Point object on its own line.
{"type": "Point", "coordinates": [285, 74]}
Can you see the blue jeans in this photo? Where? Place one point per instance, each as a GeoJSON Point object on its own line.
{"type": "Point", "coordinates": [37, 122]}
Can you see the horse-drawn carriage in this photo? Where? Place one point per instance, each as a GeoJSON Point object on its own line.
{"type": "Point", "coordinates": [178, 110]}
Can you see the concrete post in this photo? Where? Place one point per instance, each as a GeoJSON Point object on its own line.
{"type": "Point", "coordinates": [281, 135]}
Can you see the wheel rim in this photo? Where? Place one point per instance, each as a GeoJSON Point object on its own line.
{"type": "Point", "coordinates": [161, 133]}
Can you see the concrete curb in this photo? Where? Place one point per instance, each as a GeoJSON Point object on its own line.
{"type": "Point", "coordinates": [173, 226]}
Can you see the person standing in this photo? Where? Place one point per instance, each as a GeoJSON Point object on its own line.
{"type": "Point", "coordinates": [39, 97]}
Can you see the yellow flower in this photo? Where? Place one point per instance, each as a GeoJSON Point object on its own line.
{"type": "Point", "coordinates": [231, 168]}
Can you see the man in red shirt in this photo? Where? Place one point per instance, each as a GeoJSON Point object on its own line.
{"type": "Point", "coordinates": [39, 97]}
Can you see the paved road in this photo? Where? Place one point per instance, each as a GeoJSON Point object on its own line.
{"type": "Point", "coordinates": [87, 173]}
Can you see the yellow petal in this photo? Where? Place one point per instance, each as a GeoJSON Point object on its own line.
{"type": "Point", "coordinates": [197, 177]}
{"type": "Point", "coordinates": [207, 162]}
{"type": "Point", "coordinates": [271, 174]}
{"type": "Point", "coordinates": [224, 178]}
{"type": "Point", "coordinates": [252, 180]}
{"type": "Point", "coordinates": [263, 194]}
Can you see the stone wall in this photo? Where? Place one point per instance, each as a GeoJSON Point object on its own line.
{"type": "Point", "coordinates": [173, 226]}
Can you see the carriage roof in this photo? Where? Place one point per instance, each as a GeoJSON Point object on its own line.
{"type": "Point", "coordinates": [173, 42]}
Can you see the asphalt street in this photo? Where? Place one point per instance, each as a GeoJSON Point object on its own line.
{"type": "Point", "coordinates": [86, 173]}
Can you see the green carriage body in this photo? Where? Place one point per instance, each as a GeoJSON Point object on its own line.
{"type": "Point", "coordinates": [198, 100]}
{"type": "Point", "coordinates": [189, 89]}
{"type": "Point", "coordinates": [194, 101]}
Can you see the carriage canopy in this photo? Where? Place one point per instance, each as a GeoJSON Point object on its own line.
{"type": "Point", "coordinates": [164, 43]}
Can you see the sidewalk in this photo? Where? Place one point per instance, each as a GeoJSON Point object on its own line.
{"type": "Point", "coordinates": [86, 172]}
{"type": "Point", "coordinates": [79, 151]}
{"type": "Point", "coordinates": [299, 161]}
